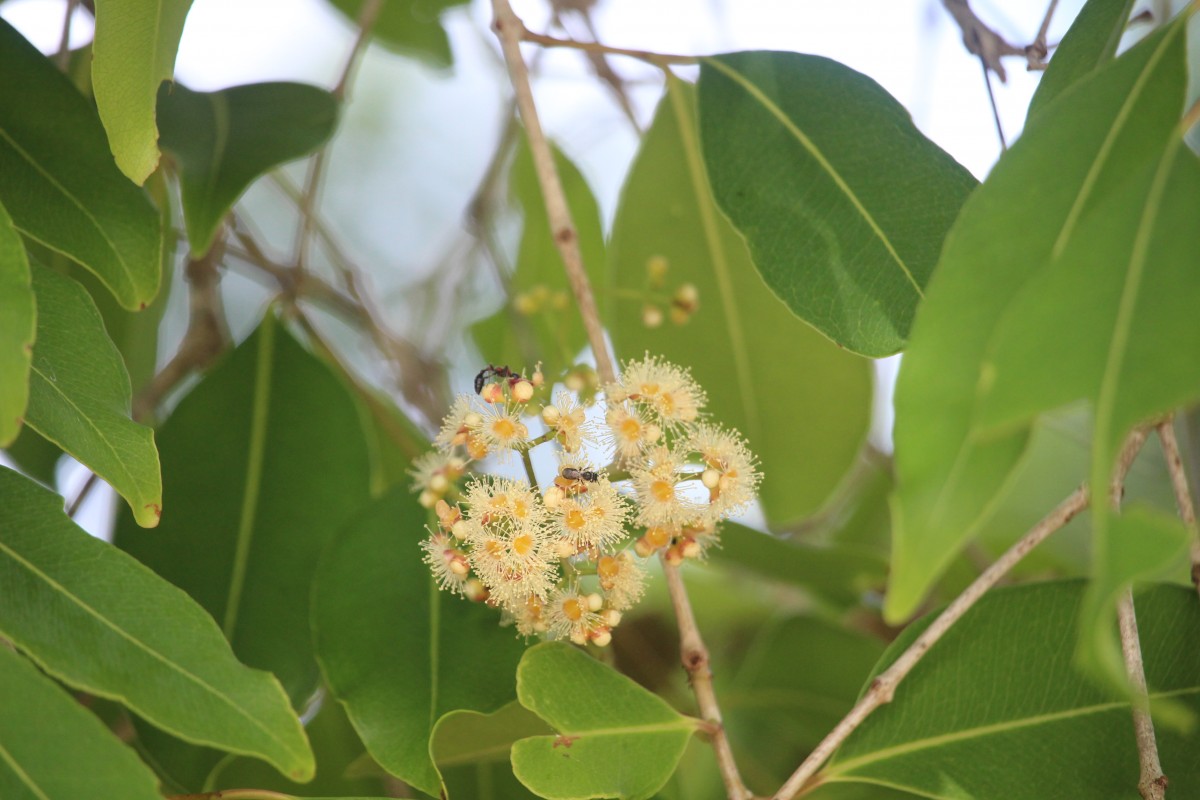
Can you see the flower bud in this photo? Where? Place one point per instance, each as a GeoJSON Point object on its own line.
{"type": "Point", "coordinates": [522, 391]}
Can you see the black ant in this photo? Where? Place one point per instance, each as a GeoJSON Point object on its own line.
{"type": "Point", "coordinates": [572, 474]}
{"type": "Point", "coordinates": [491, 371]}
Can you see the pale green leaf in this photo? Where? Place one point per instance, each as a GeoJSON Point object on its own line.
{"type": "Point", "coordinates": [615, 739]}
{"type": "Point", "coordinates": [58, 181]}
{"type": "Point", "coordinates": [803, 403]}
{"type": "Point", "coordinates": [41, 726]}
{"type": "Point", "coordinates": [398, 653]}
{"type": "Point", "coordinates": [410, 27]}
{"type": "Point", "coordinates": [551, 330]}
{"type": "Point", "coordinates": [1013, 242]}
{"type": "Point", "coordinates": [222, 141]}
{"type": "Point", "coordinates": [843, 202]}
{"type": "Point", "coordinates": [997, 710]}
{"type": "Point", "coordinates": [133, 52]}
{"type": "Point", "coordinates": [18, 312]}
{"type": "Point", "coordinates": [1090, 43]}
{"type": "Point", "coordinates": [79, 396]}
{"type": "Point", "coordinates": [97, 619]}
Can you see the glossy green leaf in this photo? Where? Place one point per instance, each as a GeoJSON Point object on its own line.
{"type": "Point", "coordinates": [615, 739]}
{"type": "Point", "coordinates": [394, 650]}
{"type": "Point", "coordinates": [1090, 43]}
{"type": "Point", "coordinates": [471, 751]}
{"type": "Point", "coordinates": [1139, 545]}
{"type": "Point", "coordinates": [79, 396]}
{"type": "Point", "coordinates": [1014, 244]}
{"type": "Point", "coordinates": [133, 52]}
{"type": "Point", "coordinates": [552, 332]}
{"type": "Point", "coordinates": [98, 620]}
{"type": "Point", "coordinates": [222, 141]}
{"type": "Point", "coordinates": [803, 404]}
{"type": "Point", "coordinates": [18, 313]}
{"type": "Point", "coordinates": [410, 27]}
{"type": "Point", "coordinates": [59, 184]}
{"type": "Point", "coordinates": [840, 573]}
{"type": "Point", "coordinates": [799, 677]}
{"type": "Point", "coordinates": [40, 724]}
{"type": "Point", "coordinates": [264, 462]}
{"type": "Point", "coordinates": [843, 202]}
{"type": "Point", "coordinates": [997, 708]}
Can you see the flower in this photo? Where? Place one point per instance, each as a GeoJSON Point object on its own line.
{"type": "Point", "coordinates": [622, 580]}
{"type": "Point", "coordinates": [660, 499]}
{"type": "Point", "coordinates": [629, 431]}
{"type": "Point", "coordinates": [589, 513]}
{"type": "Point", "coordinates": [731, 475]}
{"type": "Point", "coordinates": [570, 614]}
{"type": "Point", "coordinates": [500, 428]}
{"type": "Point", "coordinates": [569, 422]}
{"type": "Point", "coordinates": [668, 391]}
{"type": "Point", "coordinates": [448, 564]}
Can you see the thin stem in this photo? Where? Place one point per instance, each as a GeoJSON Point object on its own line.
{"type": "Point", "coordinates": [883, 688]}
{"type": "Point", "coordinates": [63, 57]}
{"type": "Point", "coordinates": [694, 656]}
{"type": "Point", "coordinates": [1152, 784]}
{"type": "Point", "coordinates": [661, 60]}
{"type": "Point", "coordinates": [1183, 494]}
{"type": "Point", "coordinates": [509, 29]}
{"type": "Point", "coordinates": [528, 462]}
{"type": "Point", "coordinates": [1037, 49]}
{"type": "Point", "coordinates": [84, 491]}
{"type": "Point", "coordinates": [234, 794]}
{"type": "Point", "coordinates": [987, 81]}
{"type": "Point", "coordinates": [316, 169]}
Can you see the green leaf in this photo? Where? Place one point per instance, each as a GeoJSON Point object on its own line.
{"type": "Point", "coordinates": [222, 141]}
{"type": "Point", "coordinates": [336, 747]}
{"type": "Point", "coordinates": [1015, 244]}
{"type": "Point", "coordinates": [615, 739]}
{"type": "Point", "coordinates": [18, 325]}
{"type": "Point", "coordinates": [1090, 43]}
{"type": "Point", "coordinates": [840, 573]}
{"type": "Point", "coordinates": [264, 462]}
{"type": "Point", "coordinates": [803, 404]}
{"type": "Point", "coordinates": [79, 396]}
{"type": "Point", "coordinates": [471, 751]}
{"type": "Point", "coordinates": [799, 677]}
{"type": "Point", "coordinates": [41, 726]}
{"type": "Point", "coordinates": [35, 456]}
{"type": "Point", "coordinates": [59, 184]}
{"type": "Point", "coordinates": [410, 27]}
{"type": "Point", "coordinates": [133, 52]}
{"type": "Point", "coordinates": [818, 167]}
{"type": "Point", "coordinates": [552, 332]}
{"type": "Point", "coordinates": [98, 620]}
{"type": "Point", "coordinates": [1140, 545]}
{"type": "Point", "coordinates": [398, 653]}
{"type": "Point", "coordinates": [997, 708]}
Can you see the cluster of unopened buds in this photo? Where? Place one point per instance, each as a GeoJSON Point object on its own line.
{"type": "Point", "coordinates": [564, 559]}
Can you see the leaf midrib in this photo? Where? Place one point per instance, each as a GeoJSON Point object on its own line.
{"type": "Point", "coordinates": [684, 724]}
{"type": "Point", "coordinates": [7, 758]}
{"type": "Point", "coordinates": [139, 644]}
{"type": "Point", "coordinates": [930, 742]}
{"type": "Point", "coordinates": [775, 111]}
{"type": "Point", "coordinates": [130, 281]}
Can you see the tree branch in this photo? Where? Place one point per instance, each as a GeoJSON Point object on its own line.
{"type": "Point", "coordinates": [694, 656]}
{"type": "Point", "coordinates": [1183, 494]}
{"type": "Point", "coordinates": [883, 688]}
{"type": "Point", "coordinates": [982, 41]}
{"type": "Point", "coordinates": [509, 29]}
{"type": "Point", "coordinates": [1152, 784]}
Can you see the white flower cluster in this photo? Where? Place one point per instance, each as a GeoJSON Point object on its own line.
{"type": "Point", "coordinates": [564, 561]}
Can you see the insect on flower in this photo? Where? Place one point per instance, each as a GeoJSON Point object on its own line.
{"type": "Point", "coordinates": [572, 474]}
{"type": "Point", "coordinates": [492, 371]}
